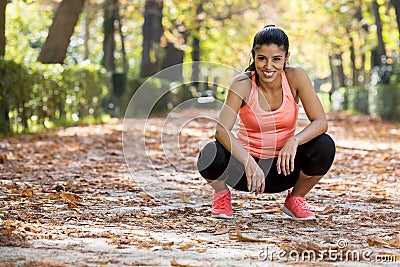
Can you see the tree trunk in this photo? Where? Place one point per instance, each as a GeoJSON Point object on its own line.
{"type": "Point", "coordinates": [381, 45]}
{"type": "Point", "coordinates": [4, 118]}
{"type": "Point", "coordinates": [123, 51]}
{"type": "Point", "coordinates": [196, 48]}
{"type": "Point", "coordinates": [110, 15]}
{"type": "Point", "coordinates": [333, 87]}
{"type": "Point", "coordinates": [87, 33]}
{"type": "Point", "coordinates": [340, 71]}
{"type": "Point", "coordinates": [174, 56]}
{"type": "Point", "coordinates": [353, 59]}
{"type": "Point", "coordinates": [65, 19]}
{"type": "Point", "coordinates": [3, 4]}
{"type": "Point", "coordinates": [396, 5]}
{"type": "Point", "coordinates": [152, 32]}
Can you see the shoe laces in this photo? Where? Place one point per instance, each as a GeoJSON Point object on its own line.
{"type": "Point", "coordinates": [301, 202]}
{"type": "Point", "coordinates": [222, 201]}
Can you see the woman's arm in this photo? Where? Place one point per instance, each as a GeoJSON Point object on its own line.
{"type": "Point", "coordinates": [237, 94]}
{"type": "Point", "coordinates": [300, 82]}
{"type": "Point", "coordinates": [312, 106]}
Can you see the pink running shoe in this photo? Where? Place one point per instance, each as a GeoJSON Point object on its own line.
{"type": "Point", "coordinates": [222, 207]}
{"type": "Point", "coordinates": [296, 207]}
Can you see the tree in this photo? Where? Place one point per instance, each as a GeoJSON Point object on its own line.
{"type": "Point", "coordinates": [110, 15]}
{"type": "Point", "coordinates": [396, 5]}
{"type": "Point", "coordinates": [3, 4]}
{"type": "Point", "coordinates": [65, 19]}
{"type": "Point", "coordinates": [152, 53]}
{"type": "Point", "coordinates": [381, 50]}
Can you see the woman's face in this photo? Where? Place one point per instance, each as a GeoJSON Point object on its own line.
{"type": "Point", "coordinates": [269, 61]}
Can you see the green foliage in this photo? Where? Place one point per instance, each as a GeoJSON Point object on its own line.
{"type": "Point", "coordinates": [324, 98]}
{"type": "Point", "coordinates": [353, 99]}
{"type": "Point", "coordinates": [385, 101]}
{"type": "Point", "coordinates": [151, 97]}
{"type": "Point", "coordinates": [357, 99]}
{"type": "Point", "coordinates": [381, 100]}
{"type": "Point", "coordinates": [27, 26]}
{"type": "Point", "coordinates": [40, 96]}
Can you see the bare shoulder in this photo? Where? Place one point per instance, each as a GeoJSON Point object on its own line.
{"type": "Point", "coordinates": [297, 77]}
{"type": "Point", "coordinates": [241, 84]}
{"type": "Point", "coordinates": [295, 72]}
{"type": "Point", "coordinates": [244, 77]}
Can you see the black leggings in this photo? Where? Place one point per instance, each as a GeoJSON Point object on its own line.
{"type": "Point", "coordinates": [312, 158]}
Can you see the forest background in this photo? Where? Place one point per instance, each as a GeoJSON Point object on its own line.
{"type": "Point", "coordinates": [73, 61]}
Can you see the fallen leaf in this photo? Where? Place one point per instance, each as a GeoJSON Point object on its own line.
{"type": "Point", "coordinates": [3, 158]}
{"type": "Point", "coordinates": [185, 198]}
{"type": "Point", "coordinates": [174, 262]}
{"type": "Point", "coordinates": [145, 219]}
{"type": "Point", "coordinates": [186, 246]}
{"type": "Point", "coordinates": [221, 229]}
{"type": "Point", "coordinates": [329, 209]}
{"type": "Point", "coordinates": [395, 241]}
{"type": "Point", "coordinates": [146, 196]}
{"type": "Point", "coordinates": [71, 204]}
{"type": "Point", "coordinates": [239, 237]}
{"type": "Point", "coordinates": [377, 242]}
{"type": "Point", "coordinates": [27, 193]}
{"type": "Point", "coordinates": [30, 228]}
{"type": "Point", "coordinates": [71, 197]}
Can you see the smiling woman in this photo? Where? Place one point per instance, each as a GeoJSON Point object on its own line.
{"type": "Point", "coordinates": [267, 156]}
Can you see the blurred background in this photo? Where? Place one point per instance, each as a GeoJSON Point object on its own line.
{"type": "Point", "coordinates": [81, 61]}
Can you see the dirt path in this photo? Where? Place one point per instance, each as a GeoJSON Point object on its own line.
{"type": "Point", "coordinates": [67, 199]}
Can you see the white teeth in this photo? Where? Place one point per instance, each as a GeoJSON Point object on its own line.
{"type": "Point", "coordinates": [268, 73]}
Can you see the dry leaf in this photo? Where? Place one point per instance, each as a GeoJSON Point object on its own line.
{"type": "Point", "coordinates": [376, 242]}
{"type": "Point", "coordinates": [174, 262]}
{"type": "Point", "coordinates": [30, 228]}
{"type": "Point", "coordinates": [186, 246]}
{"type": "Point", "coordinates": [328, 209]}
{"type": "Point", "coordinates": [71, 204]}
{"type": "Point", "coordinates": [27, 193]}
{"type": "Point", "coordinates": [71, 197]}
{"type": "Point", "coordinates": [11, 223]}
{"type": "Point", "coordinates": [3, 158]}
{"type": "Point", "coordinates": [239, 237]}
{"type": "Point", "coordinates": [146, 196]}
{"type": "Point", "coordinates": [145, 219]}
{"type": "Point", "coordinates": [221, 229]}
{"type": "Point", "coordinates": [185, 198]}
{"type": "Point", "coordinates": [395, 241]}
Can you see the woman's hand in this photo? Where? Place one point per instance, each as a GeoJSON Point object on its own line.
{"type": "Point", "coordinates": [255, 177]}
{"type": "Point", "coordinates": [286, 156]}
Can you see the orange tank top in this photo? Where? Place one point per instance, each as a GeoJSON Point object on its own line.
{"type": "Point", "coordinates": [264, 133]}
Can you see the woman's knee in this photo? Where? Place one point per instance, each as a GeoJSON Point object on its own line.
{"type": "Point", "coordinates": [321, 153]}
{"type": "Point", "coordinates": [327, 146]}
{"type": "Point", "coordinates": [211, 159]}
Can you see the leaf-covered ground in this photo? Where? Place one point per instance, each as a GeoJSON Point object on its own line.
{"type": "Point", "coordinates": [67, 198]}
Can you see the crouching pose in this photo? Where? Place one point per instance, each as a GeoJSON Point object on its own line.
{"type": "Point", "coordinates": [267, 155]}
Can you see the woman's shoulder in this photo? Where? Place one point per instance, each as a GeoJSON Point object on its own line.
{"type": "Point", "coordinates": [244, 76]}
{"type": "Point", "coordinates": [242, 81]}
{"type": "Point", "coordinates": [294, 71]}
{"type": "Point", "coordinates": [295, 75]}
{"type": "Point", "coordinates": [242, 84]}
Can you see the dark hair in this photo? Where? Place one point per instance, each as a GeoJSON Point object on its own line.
{"type": "Point", "coordinates": [268, 35]}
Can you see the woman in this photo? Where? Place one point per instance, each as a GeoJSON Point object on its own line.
{"type": "Point", "coordinates": [267, 156]}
